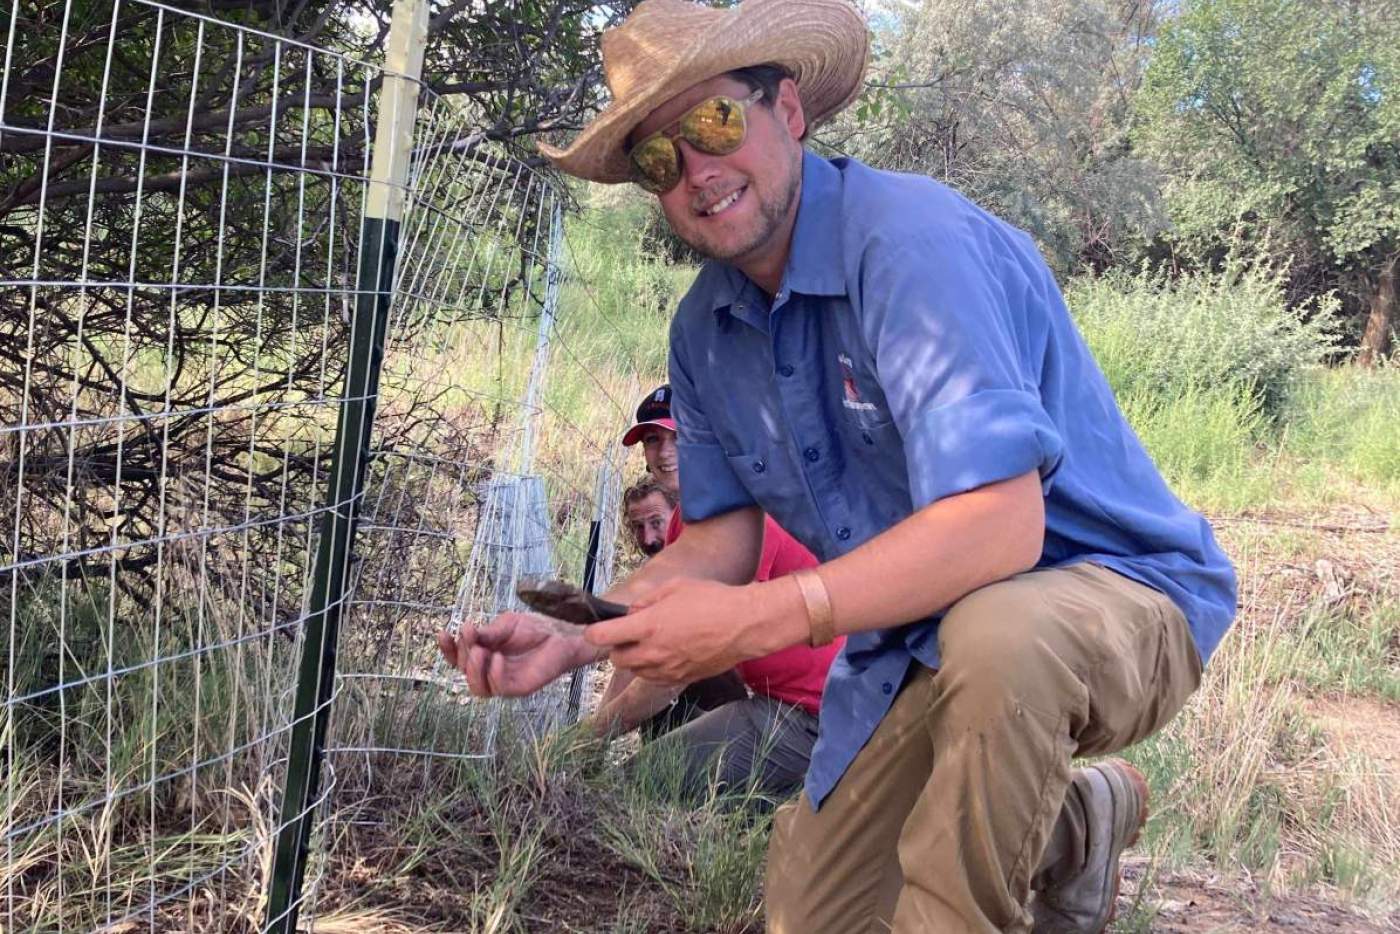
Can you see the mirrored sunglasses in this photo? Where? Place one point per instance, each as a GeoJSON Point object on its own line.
{"type": "Point", "coordinates": [715, 126]}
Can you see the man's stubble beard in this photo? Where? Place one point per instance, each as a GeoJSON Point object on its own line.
{"type": "Point", "coordinates": [772, 214]}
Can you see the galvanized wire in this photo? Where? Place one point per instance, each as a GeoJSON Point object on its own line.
{"type": "Point", "coordinates": [175, 299]}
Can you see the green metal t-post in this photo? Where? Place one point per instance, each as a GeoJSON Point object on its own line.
{"type": "Point", "coordinates": [384, 205]}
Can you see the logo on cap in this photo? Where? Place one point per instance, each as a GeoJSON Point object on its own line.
{"type": "Point", "coordinates": [657, 405]}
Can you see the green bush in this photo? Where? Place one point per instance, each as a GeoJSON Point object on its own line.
{"type": "Point", "coordinates": [1214, 331]}
{"type": "Point", "coordinates": [618, 294]}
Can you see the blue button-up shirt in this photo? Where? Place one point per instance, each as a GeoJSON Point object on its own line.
{"type": "Point", "coordinates": [917, 348]}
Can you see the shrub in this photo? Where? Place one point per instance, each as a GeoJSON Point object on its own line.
{"type": "Point", "coordinates": [618, 298]}
{"type": "Point", "coordinates": [1227, 331]}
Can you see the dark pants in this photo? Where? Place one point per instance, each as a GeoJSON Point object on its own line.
{"type": "Point", "coordinates": [757, 745]}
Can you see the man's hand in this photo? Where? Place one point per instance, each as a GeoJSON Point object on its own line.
{"type": "Point", "coordinates": [686, 630]}
{"type": "Point", "coordinates": [515, 654]}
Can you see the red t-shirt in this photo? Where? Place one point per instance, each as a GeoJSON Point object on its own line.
{"type": "Point", "coordinates": [797, 674]}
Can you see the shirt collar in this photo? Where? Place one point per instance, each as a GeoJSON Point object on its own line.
{"type": "Point", "coordinates": [815, 265]}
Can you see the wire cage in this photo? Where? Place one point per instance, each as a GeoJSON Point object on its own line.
{"type": "Point", "coordinates": [259, 441]}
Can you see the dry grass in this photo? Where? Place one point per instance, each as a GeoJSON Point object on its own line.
{"type": "Point", "coordinates": [1261, 780]}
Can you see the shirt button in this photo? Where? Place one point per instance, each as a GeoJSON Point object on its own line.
{"type": "Point", "coordinates": [887, 688]}
{"type": "Point", "coordinates": [759, 466]}
{"type": "Point", "coordinates": [812, 454]}
{"type": "Point", "coordinates": [785, 370]}
{"type": "Point", "coordinates": [843, 533]}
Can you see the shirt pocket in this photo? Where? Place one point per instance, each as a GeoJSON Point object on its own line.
{"type": "Point", "coordinates": [867, 433]}
{"type": "Point", "coordinates": [874, 457]}
{"type": "Point", "coordinates": [873, 444]}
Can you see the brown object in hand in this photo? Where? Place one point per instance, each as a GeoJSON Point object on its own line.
{"type": "Point", "coordinates": [566, 602]}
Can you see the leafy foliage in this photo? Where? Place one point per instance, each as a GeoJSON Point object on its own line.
{"type": "Point", "coordinates": [1230, 331]}
{"type": "Point", "coordinates": [1024, 107]}
{"type": "Point", "coordinates": [1277, 123]}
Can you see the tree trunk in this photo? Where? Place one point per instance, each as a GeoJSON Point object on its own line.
{"type": "Point", "coordinates": [1381, 322]}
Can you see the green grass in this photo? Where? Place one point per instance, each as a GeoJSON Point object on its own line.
{"type": "Point", "coordinates": [1350, 420]}
{"type": "Point", "coordinates": [91, 749]}
{"type": "Point", "coordinates": [1345, 650]}
{"type": "Point", "coordinates": [1206, 443]}
{"type": "Point", "coordinates": [707, 855]}
{"type": "Point", "coordinates": [1220, 454]}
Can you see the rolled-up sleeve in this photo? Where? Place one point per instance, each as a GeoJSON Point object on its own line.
{"type": "Point", "coordinates": [955, 352]}
{"type": "Point", "coordinates": [709, 486]}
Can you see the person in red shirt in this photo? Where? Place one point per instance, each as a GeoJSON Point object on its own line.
{"type": "Point", "coordinates": [762, 741]}
{"type": "Point", "coordinates": [647, 507]}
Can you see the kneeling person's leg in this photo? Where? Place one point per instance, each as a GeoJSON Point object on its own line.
{"type": "Point", "coordinates": [1036, 669]}
{"type": "Point", "coordinates": [836, 871]}
{"type": "Point", "coordinates": [757, 742]}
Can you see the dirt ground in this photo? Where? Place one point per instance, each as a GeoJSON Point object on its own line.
{"type": "Point", "coordinates": [1217, 905]}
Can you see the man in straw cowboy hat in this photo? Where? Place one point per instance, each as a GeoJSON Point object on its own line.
{"type": "Point", "coordinates": [891, 373]}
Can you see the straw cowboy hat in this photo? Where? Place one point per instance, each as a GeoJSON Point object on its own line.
{"type": "Point", "coordinates": [667, 46]}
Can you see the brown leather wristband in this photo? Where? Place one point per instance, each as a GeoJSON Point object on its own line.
{"type": "Point", "coordinates": [814, 594]}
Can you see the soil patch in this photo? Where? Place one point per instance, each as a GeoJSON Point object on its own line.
{"type": "Point", "coordinates": [1213, 905]}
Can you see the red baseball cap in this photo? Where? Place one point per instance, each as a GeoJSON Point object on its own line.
{"type": "Point", "coordinates": [654, 410]}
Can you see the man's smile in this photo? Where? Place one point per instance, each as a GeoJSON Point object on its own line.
{"type": "Point", "coordinates": [715, 208]}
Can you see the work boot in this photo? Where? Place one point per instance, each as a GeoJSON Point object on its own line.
{"type": "Point", "coordinates": [1114, 796]}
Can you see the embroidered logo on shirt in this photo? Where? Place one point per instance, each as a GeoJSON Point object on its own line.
{"type": "Point", "coordinates": [848, 382]}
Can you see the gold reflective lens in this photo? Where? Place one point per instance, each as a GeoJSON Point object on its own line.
{"type": "Point", "coordinates": [656, 163]}
{"type": "Point", "coordinates": [715, 126]}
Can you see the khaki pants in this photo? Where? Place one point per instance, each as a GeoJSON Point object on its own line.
{"type": "Point", "coordinates": [942, 821]}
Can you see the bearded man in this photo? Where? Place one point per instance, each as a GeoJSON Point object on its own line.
{"type": "Point", "coordinates": [891, 373]}
{"type": "Point", "coordinates": [646, 510]}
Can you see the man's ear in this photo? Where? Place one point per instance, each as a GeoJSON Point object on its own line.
{"type": "Point", "coordinates": [788, 108]}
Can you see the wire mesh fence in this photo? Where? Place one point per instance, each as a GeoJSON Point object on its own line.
{"type": "Point", "coordinates": [182, 286]}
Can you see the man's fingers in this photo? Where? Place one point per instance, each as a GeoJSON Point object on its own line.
{"type": "Point", "coordinates": [638, 659]}
{"type": "Point", "coordinates": [447, 645]}
{"type": "Point", "coordinates": [495, 633]}
{"type": "Point", "coordinates": [462, 653]}
{"type": "Point", "coordinates": [514, 632]}
{"type": "Point", "coordinates": [653, 674]}
{"type": "Point", "coordinates": [496, 680]}
{"type": "Point", "coordinates": [655, 595]}
{"type": "Point", "coordinates": [619, 631]}
{"type": "Point", "coordinates": [454, 647]}
{"type": "Point", "coordinates": [474, 664]}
